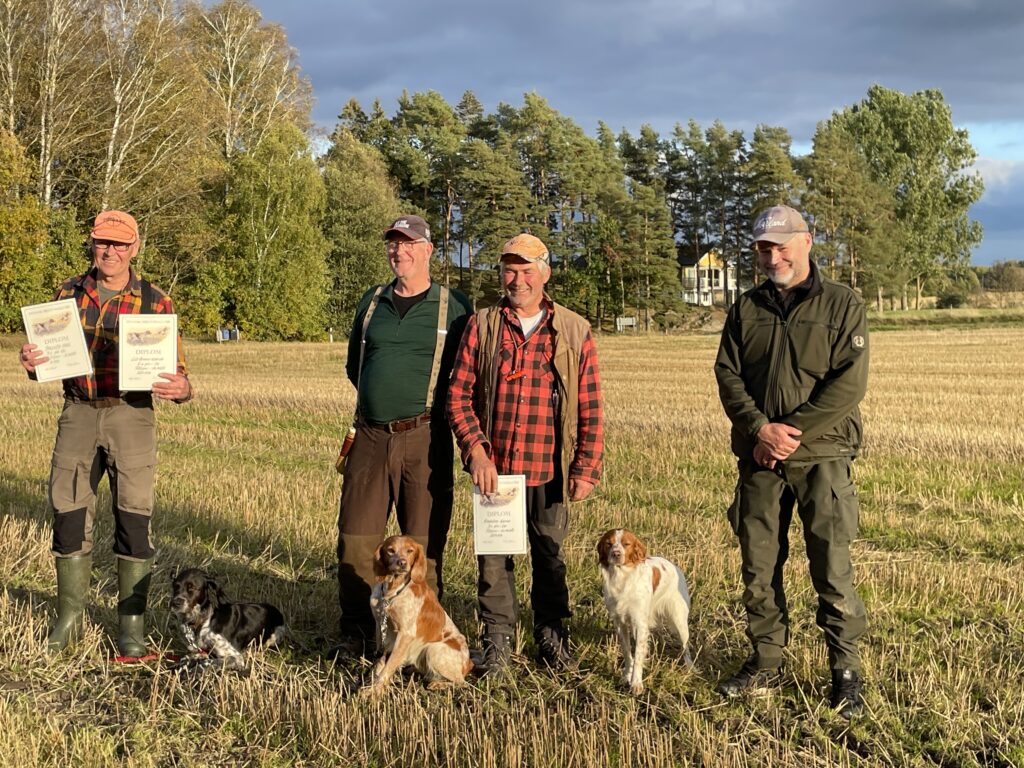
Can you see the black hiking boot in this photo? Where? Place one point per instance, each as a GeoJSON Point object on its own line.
{"type": "Point", "coordinates": [497, 654]}
{"type": "Point", "coordinates": [847, 693]}
{"type": "Point", "coordinates": [553, 648]}
{"type": "Point", "coordinates": [749, 678]}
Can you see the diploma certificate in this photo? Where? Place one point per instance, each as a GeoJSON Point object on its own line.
{"type": "Point", "coordinates": [499, 520]}
{"type": "Point", "coordinates": [147, 345]}
{"type": "Point", "coordinates": [56, 329]}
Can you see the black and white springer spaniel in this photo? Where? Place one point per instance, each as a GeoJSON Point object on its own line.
{"type": "Point", "coordinates": [211, 623]}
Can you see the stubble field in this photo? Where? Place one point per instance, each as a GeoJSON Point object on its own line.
{"type": "Point", "coordinates": [246, 489]}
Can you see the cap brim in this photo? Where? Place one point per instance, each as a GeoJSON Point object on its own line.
{"type": "Point", "coordinates": [407, 234]}
{"type": "Point", "coordinates": [775, 237]}
{"type": "Point", "coordinates": [531, 259]}
{"type": "Point", "coordinates": [114, 235]}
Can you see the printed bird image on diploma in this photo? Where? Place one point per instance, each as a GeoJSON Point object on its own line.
{"type": "Point", "coordinates": [51, 325]}
{"type": "Point", "coordinates": [148, 336]}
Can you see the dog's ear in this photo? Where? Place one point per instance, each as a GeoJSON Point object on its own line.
{"type": "Point", "coordinates": [214, 594]}
{"type": "Point", "coordinates": [603, 545]}
{"type": "Point", "coordinates": [639, 551]}
{"type": "Point", "coordinates": [380, 568]}
{"type": "Point", "coordinates": [418, 568]}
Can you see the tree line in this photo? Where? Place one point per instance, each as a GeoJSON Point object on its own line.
{"type": "Point", "coordinates": [197, 119]}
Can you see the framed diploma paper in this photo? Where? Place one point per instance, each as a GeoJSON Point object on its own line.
{"type": "Point", "coordinates": [147, 345]}
{"type": "Point", "coordinates": [56, 329]}
{"type": "Point", "coordinates": [499, 520]}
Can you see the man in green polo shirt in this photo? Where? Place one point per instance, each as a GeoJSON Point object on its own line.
{"type": "Point", "coordinates": [399, 361]}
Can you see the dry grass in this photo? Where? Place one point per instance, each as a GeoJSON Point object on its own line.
{"type": "Point", "coordinates": [246, 488]}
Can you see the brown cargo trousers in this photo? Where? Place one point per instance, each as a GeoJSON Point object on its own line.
{"type": "Point", "coordinates": [412, 470]}
{"type": "Point", "coordinates": [826, 501]}
{"type": "Point", "coordinates": [117, 440]}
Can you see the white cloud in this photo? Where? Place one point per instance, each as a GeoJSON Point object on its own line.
{"type": "Point", "coordinates": [999, 174]}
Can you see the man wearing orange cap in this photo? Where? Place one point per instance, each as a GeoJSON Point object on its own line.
{"type": "Point", "coordinates": [103, 430]}
{"type": "Point", "coordinates": [525, 398]}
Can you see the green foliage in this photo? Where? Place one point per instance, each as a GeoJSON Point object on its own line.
{"type": "Point", "coordinates": [274, 247]}
{"type": "Point", "coordinates": [916, 154]}
{"type": "Point", "coordinates": [23, 236]}
{"type": "Point", "coordinates": [1004, 276]}
{"type": "Point", "coordinates": [951, 297]}
{"type": "Point", "coordinates": [493, 206]}
{"type": "Point", "coordinates": [853, 215]}
{"type": "Point", "coordinates": [361, 202]}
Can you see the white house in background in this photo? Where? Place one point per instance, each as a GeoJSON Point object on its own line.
{"type": "Point", "coordinates": [704, 279]}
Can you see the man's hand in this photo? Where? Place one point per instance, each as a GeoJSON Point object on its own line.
{"type": "Point", "coordinates": [763, 457]}
{"type": "Point", "coordinates": [176, 387]}
{"type": "Point", "coordinates": [483, 471]}
{"type": "Point", "coordinates": [30, 357]}
{"type": "Point", "coordinates": [579, 489]}
{"type": "Point", "coordinates": [778, 441]}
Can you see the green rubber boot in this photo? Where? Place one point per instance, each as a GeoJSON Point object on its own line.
{"type": "Point", "coordinates": [73, 575]}
{"type": "Point", "coordinates": [132, 590]}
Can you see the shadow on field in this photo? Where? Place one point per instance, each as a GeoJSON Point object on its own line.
{"type": "Point", "coordinates": [220, 548]}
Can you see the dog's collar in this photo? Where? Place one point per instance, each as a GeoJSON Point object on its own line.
{"type": "Point", "coordinates": [386, 602]}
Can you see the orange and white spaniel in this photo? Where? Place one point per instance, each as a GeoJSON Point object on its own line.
{"type": "Point", "coordinates": [641, 593]}
{"type": "Point", "coordinates": [412, 626]}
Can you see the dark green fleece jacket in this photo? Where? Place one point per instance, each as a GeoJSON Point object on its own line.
{"type": "Point", "coordinates": [807, 368]}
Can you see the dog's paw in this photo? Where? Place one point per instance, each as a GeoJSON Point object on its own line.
{"type": "Point", "coordinates": [371, 691]}
{"type": "Point", "coordinates": [636, 688]}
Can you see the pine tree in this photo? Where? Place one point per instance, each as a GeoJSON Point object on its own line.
{"type": "Point", "coordinates": [361, 202]}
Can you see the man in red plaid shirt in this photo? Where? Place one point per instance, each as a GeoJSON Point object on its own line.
{"type": "Point", "coordinates": [105, 431]}
{"type": "Point", "coordinates": [525, 399]}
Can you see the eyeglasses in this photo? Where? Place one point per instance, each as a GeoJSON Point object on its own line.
{"type": "Point", "coordinates": [766, 249]}
{"type": "Point", "coordinates": [102, 245]}
{"type": "Point", "coordinates": [394, 246]}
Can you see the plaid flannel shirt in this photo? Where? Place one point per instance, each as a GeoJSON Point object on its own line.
{"type": "Point", "coordinates": [524, 428]}
{"type": "Point", "coordinates": [100, 326]}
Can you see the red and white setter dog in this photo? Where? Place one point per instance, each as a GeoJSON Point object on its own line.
{"type": "Point", "coordinates": [412, 626]}
{"type": "Point", "coordinates": [641, 593]}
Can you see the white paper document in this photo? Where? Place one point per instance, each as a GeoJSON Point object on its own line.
{"type": "Point", "coordinates": [55, 327]}
{"type": "Point", "coordinates": [147, 345]}
{"type": "Point", "coordinates": [499, 520]}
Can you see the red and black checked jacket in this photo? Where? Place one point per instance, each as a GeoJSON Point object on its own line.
{"type": "Point", "coordinates": [525, 420]}
{"type": "Point", "coordinates": [100, 326]}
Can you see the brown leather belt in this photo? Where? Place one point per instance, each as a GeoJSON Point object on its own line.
{"type": "Point", "coordinates": [402, 425]}
{"type": "Point", "coordinates": [110, 402]}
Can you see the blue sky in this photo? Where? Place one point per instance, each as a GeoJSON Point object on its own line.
{"type": "Point", "coordinates": [628, 62]}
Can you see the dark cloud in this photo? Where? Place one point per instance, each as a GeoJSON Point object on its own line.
{"type": "Point", "coordinates": [629, 62]}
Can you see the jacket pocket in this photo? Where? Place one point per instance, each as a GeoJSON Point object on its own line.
{"type": "Point", "coordinates": [845, 512]}
{"type": "Point", "coordinates": [811, 345]}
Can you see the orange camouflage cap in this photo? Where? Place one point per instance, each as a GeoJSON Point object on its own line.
{"type": "Point", "coordinates": [526, 247]}
{"type": "Point", "coordinates": [116, 226]}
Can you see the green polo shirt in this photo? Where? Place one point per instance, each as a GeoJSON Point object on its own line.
{"type": "Point", "coordinates": [399, 353]}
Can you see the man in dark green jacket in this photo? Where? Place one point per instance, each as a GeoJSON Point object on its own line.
{"type": "Point", "coordinates": [792, 367]}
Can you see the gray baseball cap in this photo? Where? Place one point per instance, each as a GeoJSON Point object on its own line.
{"type": "Point", "coordinates": [409, 227]}
{"type": "Point", "coordinates": [778, 224]}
